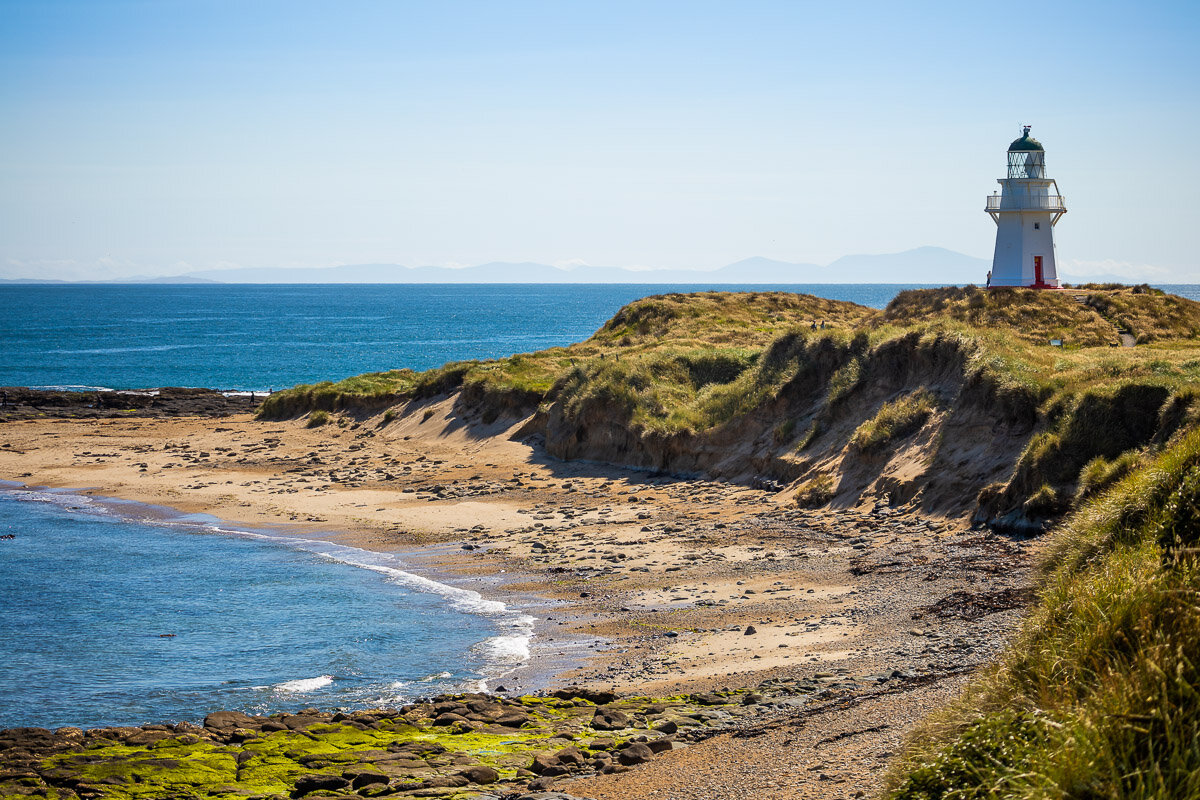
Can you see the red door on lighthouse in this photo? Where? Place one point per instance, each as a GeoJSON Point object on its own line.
{"type": "Point", "coordinates": [1037, 271]}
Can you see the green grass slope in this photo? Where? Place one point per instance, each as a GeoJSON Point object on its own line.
{"type": "Point", "coordinates": [707, 335]}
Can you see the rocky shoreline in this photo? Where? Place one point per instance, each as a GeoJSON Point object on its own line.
{"type": "Point", "coordinates": [888, 609]}
{"type": "Point", "coordinates": [488, 747]}
{"type": "Point", "coordinates": [19, 402]}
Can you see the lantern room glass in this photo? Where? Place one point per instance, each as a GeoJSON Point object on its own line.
{"type": "Point", "coordinates": [1026, 164]}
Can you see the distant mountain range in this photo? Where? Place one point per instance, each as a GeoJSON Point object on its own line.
{"type": "Point", "coordinates": [932, 265]}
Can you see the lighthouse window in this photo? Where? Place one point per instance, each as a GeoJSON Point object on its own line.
{"type": "Point", "coordinates": [1037, 226]}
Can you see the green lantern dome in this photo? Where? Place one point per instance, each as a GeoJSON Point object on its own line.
{"type": "Point", "coordinates": [1026, 142]}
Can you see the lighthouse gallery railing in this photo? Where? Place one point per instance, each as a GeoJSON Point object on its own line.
{"type": "Point", "coordinates": [1048, 202]}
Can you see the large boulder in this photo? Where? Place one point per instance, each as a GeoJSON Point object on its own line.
{"type": "Point", "coordinates": [480, 774]}
{"type": "Point", "coordinates": [607, 718]}
{"type": "Point", "coordinates": [228, 720]}
{"type": "Point", "coordinates": [661, 745]}
{"type": "Point", "coordinates": [635, 753]}
{"type": "Point", "coordinates": [33, 739]}
{"type": "Point", "coordinates": [710, 700]}
{"type": "Point", "coordinates": [598, 696]}
{"type": "Point", "coordinates": [364, 776]}
{"type": "Point", "coordinates": [143, 738]}
{"type": "Point", "coordinates": [307, 784]}
{"type": "Point", "coordinates": [511, 719]}
{"type": "Point", "coordinates": [448, 718]}
{"type": "Point", "coordinates": [546, 764]}
{"type": "Point", "coordinates": [300, 722]}
{"type": "Point", "coordinates": [570, 757]}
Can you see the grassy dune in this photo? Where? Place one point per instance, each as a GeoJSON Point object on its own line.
{"type": "Point", "coordinates": [670, 367]}
{"type": "Point", "coordinates": [693, 339]}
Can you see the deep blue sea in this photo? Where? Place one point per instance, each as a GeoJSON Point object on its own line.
{"type": "Point", "coordinates": [113, 613]}
{"type": "Point", "coordinates": [269, 337]}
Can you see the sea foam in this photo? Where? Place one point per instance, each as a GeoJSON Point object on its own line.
{"type": "Point", "coordinates": [503, 653]}
{"type": "Point", "coordinates": [302, 685]}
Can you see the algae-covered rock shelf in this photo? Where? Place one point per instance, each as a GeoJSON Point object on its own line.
{"type": "Point", "coordinates": [459, 746]}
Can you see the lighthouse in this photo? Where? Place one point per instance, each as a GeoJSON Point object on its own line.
{"type": "Point", "coordinates": [1026, 209]}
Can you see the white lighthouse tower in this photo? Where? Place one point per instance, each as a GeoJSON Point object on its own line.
{"type": "Point", "coordinates": [1025, 211]}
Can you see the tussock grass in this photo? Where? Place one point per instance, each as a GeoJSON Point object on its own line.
{"type": "Point", "coordinates": [1032, 316]}
{"type": "Point", "coordinates": [665, 389]}
{"type": "Point", "coordinates": [816, 491]}
{"type": "Point", "coordinates": [843, 382]}
{"type": "Point", "coordinates": [1100, 694]}
{"type": "Point", "coordinates": [728, 319]}
{"type": "Point", "coordinates": [1149, 314]}
{"type": "Point", "coordinates": [711, 335]}
{"type": "Point", "coordinates": [895, 420]}
{"type": "Point", "coordinates": [1085, 436]}
{"type": "Point", "coordinates": [317, 418]}
{"type": "Point", "coordinates": [668, 391]}
{"type": "Point", "coordinates": [374, 389]}
{"type": "Point", "coordinates": [1100, 473]}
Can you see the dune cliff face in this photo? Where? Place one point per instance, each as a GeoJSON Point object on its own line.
{"type": "Point", "coordinates": [994, 452]}
{"type": "Point", "coordinates": [969, 444]}
{"type": "Point", "coordinates": [971, 439]}
{"type": "Point", "coordinates": [951, 400]}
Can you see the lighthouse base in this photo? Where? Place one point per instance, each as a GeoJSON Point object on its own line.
{"type": "Point", "coordinates": [1019, 285]}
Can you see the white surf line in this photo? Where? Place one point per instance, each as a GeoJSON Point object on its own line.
{"type": "Point", "coordinates": [503, 653]}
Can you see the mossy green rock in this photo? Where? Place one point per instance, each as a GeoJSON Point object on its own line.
{"type": "Point", "coordinates": [388, 752]}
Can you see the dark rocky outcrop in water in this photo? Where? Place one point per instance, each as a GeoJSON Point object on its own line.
{"type": "Point", "coordinates": [18, 402]}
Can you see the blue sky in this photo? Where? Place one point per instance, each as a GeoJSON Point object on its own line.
{"type": "Point", "coordinates": [160, 137]}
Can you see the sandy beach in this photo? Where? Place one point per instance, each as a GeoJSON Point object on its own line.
{"type": "Point", "coordinates": [660, 583]}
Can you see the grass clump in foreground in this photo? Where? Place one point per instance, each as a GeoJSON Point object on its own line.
{"type": "Point", "coordinates": [1100, 694]}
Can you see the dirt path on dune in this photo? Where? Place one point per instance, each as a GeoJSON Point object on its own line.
{"type": "Point", "coordinates": [680, 584]}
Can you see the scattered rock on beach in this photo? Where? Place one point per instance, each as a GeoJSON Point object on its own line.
{"type": "Point", "coordinates": [308, 784]}
{"type": "Point", "coordinates": [610, 719]}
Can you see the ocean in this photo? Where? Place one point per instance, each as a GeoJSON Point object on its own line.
{"type": "Point", "coordinates": [121, 614]}
{"type": "Point", "coordinates": [118, 614]}
{"type": "Point", "coordinates": [257, 338]}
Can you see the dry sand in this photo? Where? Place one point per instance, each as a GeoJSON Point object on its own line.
{"type": "Point", "coordinates": [661, 575]}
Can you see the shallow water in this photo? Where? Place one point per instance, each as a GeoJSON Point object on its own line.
{"type": "Point", "coordinates": [111, 620]}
